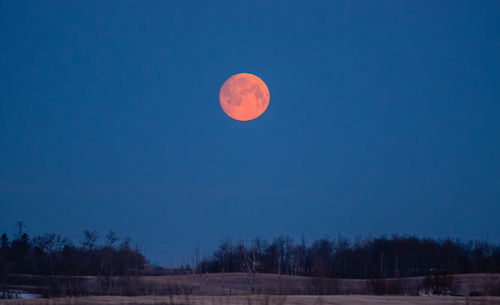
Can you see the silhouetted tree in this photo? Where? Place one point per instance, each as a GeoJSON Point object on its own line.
{"type": "Point", "coordinates": [89, 239]}
{"type": "Point", "coordinates": [369, 258]}
{"type": "Point", "coordinates": [4, 241]}
{"type": "Point", "coordinates": [111, 239]}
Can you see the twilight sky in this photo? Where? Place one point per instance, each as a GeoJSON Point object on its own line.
{"type": "Point", "coordinates": [384, 118]}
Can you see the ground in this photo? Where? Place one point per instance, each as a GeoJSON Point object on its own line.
{"type": "Point", "coordinates": [202, 289]}
{"type": "Point", "coordinates": [261, 300]}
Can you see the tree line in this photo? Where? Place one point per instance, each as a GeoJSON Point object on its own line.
{"type": "Point", "coordinates": [360, 258]}
{"type": "Point", "coordinates": [53, 254]}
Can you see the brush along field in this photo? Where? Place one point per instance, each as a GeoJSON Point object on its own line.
{"type": "Point", "coordinates": [241, 283]}
{"type": "Point", "coordinates": [260, 300]}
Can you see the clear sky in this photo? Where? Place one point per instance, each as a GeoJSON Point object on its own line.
{"type": "Point", "coordinates": [384, 118]}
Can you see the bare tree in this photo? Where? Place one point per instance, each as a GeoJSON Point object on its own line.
{"type": "Point", "coordinates": [50, 243]}
{"type": "Point", "coordinates": [111, 239]}
{"type": "Point", "coordinates": [246, 259]}
{"type": "Point", "coordinates": [224, 257]}
{"type": "Point", "coordinates": [125, 245]}
{"type": "Point", "coordinates": [90, 239]}
{"type": "Point", "coordinates": [197, 259]}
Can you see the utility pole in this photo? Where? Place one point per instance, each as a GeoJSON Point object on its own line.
{"type": "Point", "coordinates": [20, 225]}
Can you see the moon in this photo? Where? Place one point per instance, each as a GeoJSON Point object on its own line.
{"type": "Point", "coordinates": [244, 97]}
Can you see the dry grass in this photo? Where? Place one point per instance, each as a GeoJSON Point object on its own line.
{"type": "Point", "coordinates": [234, 288]}
{"type": "Point", "coordinates": [258, 300]}
{"type": "Point", "coordinates": [240, 283]}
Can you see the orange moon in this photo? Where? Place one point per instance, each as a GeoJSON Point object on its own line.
{"type": "Point", "coordinates": [244, 97]}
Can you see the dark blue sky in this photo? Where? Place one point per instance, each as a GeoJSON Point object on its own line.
{"type": "Point", "coordinates": [383, 118]}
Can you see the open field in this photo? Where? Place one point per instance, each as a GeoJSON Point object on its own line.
{"type": "Point", "coordinates": [246, 284]}
{"type": "Point", "coordinates": [241, 283]}
{"type": "Point", "coordinates": [260, 300]}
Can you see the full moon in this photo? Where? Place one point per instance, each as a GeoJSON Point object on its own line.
{"type": "Point", "coordinates": [244, 97]}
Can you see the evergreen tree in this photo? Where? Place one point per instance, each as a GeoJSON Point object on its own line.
{"type": "Point", "coordinates": [4, 241]}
